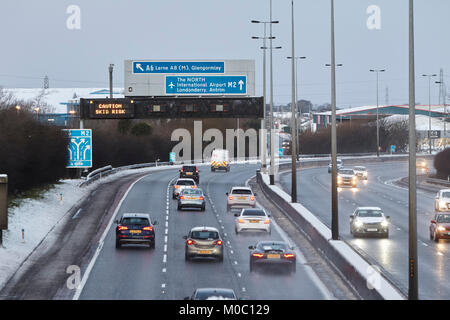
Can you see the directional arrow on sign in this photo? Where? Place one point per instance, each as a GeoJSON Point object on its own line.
{"type": "Point", "coordinates": [241, 83]}
{"type": "Point", "coordinates": [138, 66]}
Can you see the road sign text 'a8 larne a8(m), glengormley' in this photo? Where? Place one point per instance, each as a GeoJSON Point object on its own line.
{"type": "Point", "coordinates": [80, 148]}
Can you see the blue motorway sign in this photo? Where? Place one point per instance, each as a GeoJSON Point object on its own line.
{"type": "Point", "coordinates": [172, 157]}
{"type": "Point", "coordinates": [80, 148]}
{"type": "Point", "coordinates": [179, 67]}
{"type": "Point", "coordinates": [206, 85]}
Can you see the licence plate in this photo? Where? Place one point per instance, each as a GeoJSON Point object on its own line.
{"type": "Point", "coordinates": [273, 256]}
{"type": "Point", "coordinates": [204, 251]}
{"type": "Point", "coordinates": [189, 173]}
{"type": "Point", "coordinates": [372, 229]}
{"type": "Point", "coordinates": [135, 231]}
{"type": "Point", "coordinates": [242, 198]}
{"type": "Point", "coordinates": [192, 198]}
{"type": "Point", "coordinates": [254, 221]}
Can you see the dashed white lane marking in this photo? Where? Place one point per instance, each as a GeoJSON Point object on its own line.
{"type": "Point", "coordinates": [164, 270]}
{"type": "Point", "coordinates": [163, 285]}
{"type": "Point", "coordinates": [244, 290]}
{"type": "Point", "coordinates": [165, 239]}
{"type": "Point", "coordinates": [166, 231]}
{"type": "Point", "coordinates": [165, 248]}
{"type": "Point", "coordinates": [423, 243]}
{"type": "Point", "coordinates": [167, 218]}
{"type": "Point", "coordinates": [164, 258]}
{"type": "Point", "coordinates": [167, 223]}
{"type": "Point", "coordinates": [76, 214]}
{"type": "Point", "coordinates": [440, 253]}
{"type": "Point", "coordinates": [235, 262]}
{"type": "Point", "coordinates": [239, 275]}
{"type": "Point", "coordinates": [231, 251]}
{"type": "Point", "coordinates": [398, 229]}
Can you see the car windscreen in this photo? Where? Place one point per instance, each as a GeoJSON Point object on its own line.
{"type": "Point", "coordinates": [270, 246]}
{"type": "Point", "coordinates": [241, 191]}
{"type": "Point", "coordinates": [369, 213]}
{"type": "Point", "coordinates": [204, 235]}
{"type": "Point", "coordinates": [185, 183]}
{"type": "Point", "coordinates": [346, 172]}
{"type": "Point", "coordinates": [135, 221]}
{"type": "Point", "coordinates": [258, 213]}
{"type": "Point", "coordinates": [214, 294]}
{"type": "Point", "coordinates": [189, 191]}
{"type": "Point", "coordinates": [443, 218]}
{"type": "Point", "coordinates": [188, 168]}
{"type": "Point", "coordinates": [445, 194]}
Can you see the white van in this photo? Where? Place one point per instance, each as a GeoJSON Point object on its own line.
{"type": "Point", "coordinates": [220, 159]}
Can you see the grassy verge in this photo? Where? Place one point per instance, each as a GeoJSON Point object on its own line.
{"type": "Point", "coordinates": [34, 193]}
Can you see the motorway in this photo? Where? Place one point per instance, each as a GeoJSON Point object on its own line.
{"type": "Point", "coordinates": [139, 273]}
{"type": "Point", "coordinates": [314, 186]}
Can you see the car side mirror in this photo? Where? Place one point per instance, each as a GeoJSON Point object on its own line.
{"type": "Point", "coordinates": [255, 194]}
{"type": "Point", "coordinates": [185, 237]}
{"type": "Point", "coordinates": [293, 248]}
{"type": "Point", "coordinates": [351, 217]}
{"type": "Point", "coordinates": [388, 217]}
{"type": "Point", "coordinates": [251, 247]}
{"type": "Point", "coordinates": [226, 193]}
{"type": "Point", "coordinates": [116, 221]}
{"type": "Point", "coordinates": [155, 222]}
{"type": "Point", "coordinates": [433, 221]}
{"type": "Point", "coordinates": [236, 214]}
{"type": "Point", "coordinates": [172, 183]}
{"type": "Point", "coordinates": [269, 215]}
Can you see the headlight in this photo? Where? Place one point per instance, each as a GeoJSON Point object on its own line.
{"type": "Point", "coordinates": [442, 203]}
{"type": "Point", "coordinates": [358, 223]}
{"type": "Point", "coordinates": [441, 228]}
{"type": "Point", "coordinates": [384, 223]}
{"type": "Point", "coordinates": [365, 174]}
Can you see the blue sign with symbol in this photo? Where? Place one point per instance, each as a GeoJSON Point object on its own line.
{"type": "Point", "coordinates": [172, 157]}
{"type": "Point", "coordinates": [206, 85]}
{"type": "Point", "coordinates": [280, 152]}
{"type": "Point", "coordinates": [80, 148]}
{"type": "Point", "coordinates": [155, 67]}
{"type": "Point", "coordinates": [392, 148]}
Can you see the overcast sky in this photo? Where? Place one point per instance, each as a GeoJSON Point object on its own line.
{"type": "Point", "coordinates": [37, 42]}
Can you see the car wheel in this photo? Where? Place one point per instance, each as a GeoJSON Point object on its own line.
{"type": "Point", "coordinates": [220, 259]}
{"type": "Point", "coordinates": [236, 230]}
{"type": "Point", "coordinates": [186, 257]}
{"type": "Point", "coordinates": [228, 207]}
{"type": "Point", "coordinates": [212, 170]}
{"type": "Point", "coordinates": [431, 235]}
{"type": "Point", "coordinates": [152, 245]}
{"type": "Point", "coordinates": [179, 208]}
{"type": "Point", "coordinates": [174, 196]}
{"type": "Point", "coordinates": [386, 234]}
{"type": "Point", "coordinates": [118, 245]}
{"type": "Point", "coordinates": [203, 208]}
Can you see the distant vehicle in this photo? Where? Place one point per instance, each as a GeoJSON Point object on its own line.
{"type": "Point", "coordinates": [442, 200]}
{"type": "Point", "coordinates": [180, 184]}
{"type": "Point", "coordinates": [440, 227]}
{"type": "Point", "coordinates": [252, 219]}
{"type": "Point", "coordinates": [339, 164]}
{"type": "Point", "coordinates": [346, 177]}
{"type": "Point", "coordinates": [212, 294]}
{"type": "Point", "coordinates": [135, 228]}
{"type": "Point", "coordinates": [275, 253]}
{"type": "Point", "coordinates": [360, 172]}
{"type": "Point", "coordinates": [191, 198]}
{"type": "Point", "coordinates": [203, 242]}
{"type": "Point", "coordinates": [240, 197]}
{"type": "Point", "coordinates": [190, 172]}
{"type": "Point", "coordinates": [369, 221]}
{"type": "Point", "coordinates": [421, 164]}
{"type": "Point", "coordinates": [220, 160]}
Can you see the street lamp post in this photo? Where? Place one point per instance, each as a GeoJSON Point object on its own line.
{"type": "Point", "coordinates": [110, 68]}
{"type": "Point", "coordinates": [429, 107]}
{"type": "Point", "coordinates": [263, 125]}
{"type": "Point", "coordinates": [378, 125]}
{"type": "Point", "coordinates": [293, 119]}
{"type": "Point", "coordinates": [441, 83]}
{"type": "Point", "coordinates": [413, 291]}
{"type": "Point", "coordinates": [296, 101]}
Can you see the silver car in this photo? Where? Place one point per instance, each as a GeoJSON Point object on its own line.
{"type": "Point", "coordinates": [240, 197]}
{"type": "Point", "coordinates": [369, 221]}
{"type": "Point", "coordinates": [203, 242]}
{"type": "Point", "coordinates": [339, 164]}
{"type": "Point", "coordinates": [442, 200]}
{"type": "Point", "coordinates": [180, 184]}
{"type": "Point", "coordinates": [360, 172]}
{"type": "Point", "coordinates": [191, 198]}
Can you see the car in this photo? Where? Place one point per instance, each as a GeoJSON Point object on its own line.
{"type": "Point", "coordinates": [240, 197]}
{"type": "Point", "coordinates": [440, 227]}
{"type": "Point", "coordinates": [421, 163]}
{"type": "Point", "coordinates": [190, 172]}
{"type": "Point", "coordinates": [212, 294]}
{"type": "Point", "coordinates": [369, 221]}
{"type": "Point", "coordinates": [252, 219]}
{"type": "Point", "coordinates": [203, 242]}
{"type": "Point", "coordinates": [360, 172]}
{"type": "Point", "coordinates": [339, 164]}
{"type": "Point", "coordinates": [442, 200]}
{"type": "Point", "coordinates": [135, 228]}
{"type": "Point", "coordinates": [272, 253]}
{"type": "Point", "coordinates": [191, 198]}
{"type": "Point", "coordinates": [346, 177]}
{"type": "Point", "coordinates": [180, 184]}
{"type": "Point", "coordinates": [220, 159]}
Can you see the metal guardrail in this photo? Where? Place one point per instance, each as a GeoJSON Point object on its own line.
{"type": "Point", "coordinates": [441, 182]}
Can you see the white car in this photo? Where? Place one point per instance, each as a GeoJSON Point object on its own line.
{"type": "Point", "coordinates": [360, 172]}
{"type": "Point", "coordinates": [240, 197]}
{"type": "Point", "coordinates": [252, 219]}
{"type": "Point", "coordinates": [180, 184]}
{"type": "Point", "coordinates": [346, 177]}
{"type": "Point", "coordinates": [369, 221]}
{"type": "Point", "coordinates": [442, 200]}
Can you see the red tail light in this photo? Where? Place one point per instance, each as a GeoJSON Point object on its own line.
{"type": "Point", "coordinates": [189, 242]}
{"type": "Point", "coordinates": [201, 198]}
{"type": "Point", "coordinates": [230, 197]}
{"type": "Point", "coordinates": [258, 255]}
{"type": "Point", "coordinates": [182, 197]}
{"type": "Point", "coordinates": [147, 228]}
{"type": "Point", "coordinates": [120, 228]}
{"type": "Point", "coordinates": [218, 242]}
{"type": "Point", "coordinates": [288, 255]}
{"type": "Point", "coordinates": [196, 170]}
{"type": "Point", "coordinates": [252, 198]}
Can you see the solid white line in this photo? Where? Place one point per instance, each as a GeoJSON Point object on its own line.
{"type": "Point", "coordinates": [78, 291]}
